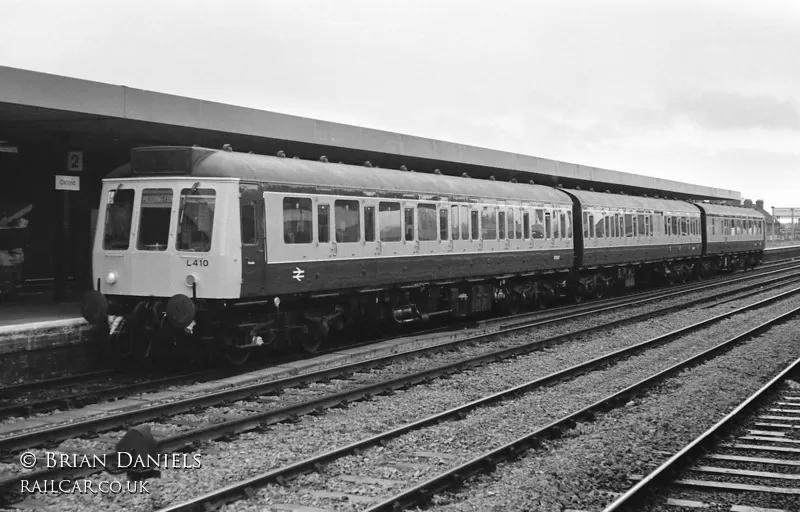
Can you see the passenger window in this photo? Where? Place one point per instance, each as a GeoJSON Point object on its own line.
{"type": "Point", "coordinates": [642, 229]}
{"type": "Point", "coordinates": [539, 230]}
{"type": "Point", "coordinates": [154, 219]}
{"type": "Point", "coordinates": [628, 225]}
{"type": "Point", "coordinates": [391, 224]}
{"type": "Point", "coordinates": [646, 231]}
{"type": "Point", "coordinates": [585, 224]}
{"type": "Point", "coordinates": [369, 223]}
{"type": "Point", "coordinates": [518, 224]}
{"type": "Point", "coordinates": [599, 225]}
{"type": "Point", "coordinates": [563, 229]}
{"type": "Point", "coordinates": [569, 224]}
{"type": "Point", "coordinates": [195, 219]}
{"type": "Point", "coordinates": [502, 222]}
{"type": "Point", "coordinates": [591, 226]}
{"type": "Point", "coordinates": [465, 223]}
{"type": "Point", "coordinates": [248, 223]}
{"type": "Point", "coordinates": [297, 223]}
{"type": "Point", "coordinates": [443, 224]}
{"type": "Point", "coordinates": [475, 226]}
{"type": "Point", "coordinates": [526, 225]}
{"type": "Point", "coordinates": [409, 218]}
{"type": "Point", "coordinates": [454, 222]}
{"type": "Point", "coordinates": [119, 214]}
{"type": "Point", "coordinates": [348, 221]}
{"type": "Point", "coordinates": [426, 217]}
{"type": "Point", "coordinates": [489, 223]}
{"type": "Point", "coordinates": [548, 225]}
{"type": "Point", "coordinates": [324, 223]}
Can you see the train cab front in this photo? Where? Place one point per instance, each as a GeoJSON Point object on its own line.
{"type": "Point", "coordinates": [159, 255]}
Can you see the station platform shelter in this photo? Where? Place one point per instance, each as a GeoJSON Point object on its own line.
{"type": "Point", "coordinates": [60, 136]}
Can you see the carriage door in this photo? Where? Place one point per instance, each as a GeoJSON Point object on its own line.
{"type": "Point", "coordinates": [254, 259]}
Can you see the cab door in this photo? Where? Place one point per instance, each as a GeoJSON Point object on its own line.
{"type": "Point", "coordinates": [253, 240]}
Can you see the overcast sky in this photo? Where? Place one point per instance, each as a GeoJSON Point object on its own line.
{"type": "Point", "coordinates": [702, 91]}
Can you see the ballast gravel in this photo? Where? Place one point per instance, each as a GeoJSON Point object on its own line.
{"type": "Point", "coordinates": [446, 444]}
{"type": "Point", "coordinates": [584, 469]}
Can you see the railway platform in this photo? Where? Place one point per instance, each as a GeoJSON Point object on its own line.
{"type": "Point", "coordinates": [776, 253]}
{"type": "Point", "coordinates": [39, 337]}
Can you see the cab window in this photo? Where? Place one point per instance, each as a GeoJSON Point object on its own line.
{"type": "Point", "coordinates": [154, 219]}
{"type": "Point", "coordinates": [195, 219]}
{"type": "Point", "coordinates": [119, 215]}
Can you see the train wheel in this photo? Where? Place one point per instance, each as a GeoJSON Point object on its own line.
{"type": "Point", "coordinates": [512, 304]}
{"type": "Point", "coordinates": [311, 341]}
{"type": "Point", "coordinates": [236, 356]}
{"type": "Point", "coordinates": [599, 291]}
{"type": "Point", "coordinates": [578, 293]}
{"type": "Point", "coordinates": [232, 354]}
{"type": "Point", "coordinates": [542, 301]}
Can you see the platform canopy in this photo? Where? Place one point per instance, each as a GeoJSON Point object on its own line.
{"type": "Point", "coordinates": [103, 117]}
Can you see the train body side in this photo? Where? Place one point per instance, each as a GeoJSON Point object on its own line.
{"type": "Point", "coordinates": [732, 230]}
{"type": "Point", "coordinates": [621, 230]}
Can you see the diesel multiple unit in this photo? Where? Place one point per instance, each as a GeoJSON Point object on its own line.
{"type": "Point", "coordinates": [218, 250]}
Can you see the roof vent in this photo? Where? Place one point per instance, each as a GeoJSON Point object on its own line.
{"type": "Point", "coordinates": [531, 182]}
{"type": "Point", "coordinates": [227, 147]}
{"type": "Point", "coordinates": [367, 164]}
{"type": "Point", "coordinates": [513, 180]}
{"type": "Point", "coordinates": [280, 154]}
{"type": "Point", "coordinates": [404, 168]}
{"type": "Point", "coordinates": [464, 175]}
{"type": "Point", "coordinates": [491, 178]}
{"type": "Point", "coordinates": [437, 171]}
{"type": "Point", "coordinates": [323, 158]}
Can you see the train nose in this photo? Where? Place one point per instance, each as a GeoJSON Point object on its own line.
{"type": "Point", "coordinates": [94, 307]}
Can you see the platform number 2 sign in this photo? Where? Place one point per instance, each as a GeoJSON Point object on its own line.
{"type": "Point", "coordinates": [75, 161]}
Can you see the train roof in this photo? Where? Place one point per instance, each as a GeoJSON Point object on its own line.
{"type": "Point", "coordinates": [176, 161]}
{"type": "Point", "coordinates": [730, 211]}
{"type": "Point", "coordinates": [603, 200]}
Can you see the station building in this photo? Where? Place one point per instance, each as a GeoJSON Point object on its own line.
{"type": "Point", "coordinates": [60, 136]}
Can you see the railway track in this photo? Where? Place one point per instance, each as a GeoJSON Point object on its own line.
{"type": "Point", "coordinates": [101, 388]}
{"type": "Point", "coordinates": [277, 414]}
{"type": "Point", "coordinates": [416, 493]}
{"type": "Point", "coordinates": [748, 461]}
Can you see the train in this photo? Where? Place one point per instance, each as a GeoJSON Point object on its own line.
{"type": "Point", "coordinates": [225, 253]}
